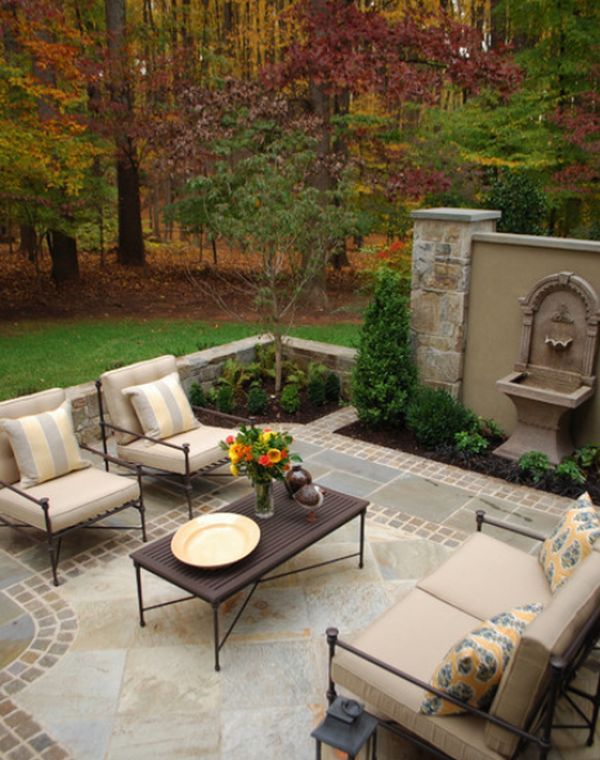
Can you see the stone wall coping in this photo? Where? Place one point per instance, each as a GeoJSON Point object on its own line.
{"type": "Point", "coordinates": [535, 241]}
{"type": "Point", "coordinates": [331, 349]}
{"type": "Point", "coordinates": [207, 355]}
{"type": "Point", "coordinates": [456, 214]}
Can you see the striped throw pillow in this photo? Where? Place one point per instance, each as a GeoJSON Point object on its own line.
{"type": "Point", "coordinates": [162, 407]}
{"type": "Point", "coordinates": [44, 445]}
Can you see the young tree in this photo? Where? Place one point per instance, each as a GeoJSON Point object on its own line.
{"type": "Point", "coordinates": [384, 374]}
{"type": "Point", "coordinates": [267, 208]}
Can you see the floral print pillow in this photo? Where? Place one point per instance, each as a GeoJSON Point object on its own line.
{"type": "Point", "coordinates": [570, 542]}
{"type": "Point", "coordinates": [472, 669]}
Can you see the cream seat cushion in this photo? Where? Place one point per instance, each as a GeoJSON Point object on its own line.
{"type": "Point", "coordinates": [74, 498]}
{"type": "Point", "coordinates": [204, 450]}
{"type": "Point", "coordinates": [486, 576]}
{"type": "Point", "coordinates": [162, 407]}
{"type": "Point", "coordinates": [413, 636]}
{"type": "Point", "coordinates": [44, 445]}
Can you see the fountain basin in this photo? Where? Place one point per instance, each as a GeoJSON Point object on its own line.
{"type": "Point", "coordinates": [543, 417]}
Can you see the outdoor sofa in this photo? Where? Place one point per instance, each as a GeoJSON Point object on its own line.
{"type": "Point", "coordinates": [389, 665]}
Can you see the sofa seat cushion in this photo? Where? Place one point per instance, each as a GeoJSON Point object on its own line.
{"type": "Point", "coordinates": [204, 450]}
{"type": "Point", "coordinates": [74, 498]}
{"type": "Point", "coordinates": [486, 576]}
{"type": "Point", "coordinates": [412, 636]}
{"type": "Point", "coordinates": [570, 542]}
{"type": "Point", "coordinates": [551, 633]}
{"type": "Point", "coordinates": [162, 407]}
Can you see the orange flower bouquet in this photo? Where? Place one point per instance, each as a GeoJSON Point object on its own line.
{"type": "Point", "coordinates": [262, 455]}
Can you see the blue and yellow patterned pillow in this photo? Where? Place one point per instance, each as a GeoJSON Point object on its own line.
{"type": "Point", "coordinates": [570, 542]}
{"type": "Point", "coordinates": [472, 669]}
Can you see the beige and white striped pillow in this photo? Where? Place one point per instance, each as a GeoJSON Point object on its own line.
{"type": "Point", "coordinates": [162, 407]}
{"type": "Point", "coordinates": [44, 445]}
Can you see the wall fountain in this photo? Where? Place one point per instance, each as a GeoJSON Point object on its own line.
{"type": "Point", "coordinates": [555, 370]}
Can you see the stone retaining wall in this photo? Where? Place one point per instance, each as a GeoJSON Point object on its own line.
{"type": "Point", "coordinates": [204, 367]}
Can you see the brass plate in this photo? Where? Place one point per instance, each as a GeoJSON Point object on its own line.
{"type": "Point", "coordinates": [215, 540]}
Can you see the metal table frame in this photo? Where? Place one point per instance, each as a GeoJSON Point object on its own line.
{"type": "Point", "coordinates": [216, 586]}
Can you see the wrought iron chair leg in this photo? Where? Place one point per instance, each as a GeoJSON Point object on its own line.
{"type": "Point", "coordinates": [594, 718]}
{"type": "Point", "coordinates": [53, 554]}
{"type": "Point", "coordinates": [187, 485]}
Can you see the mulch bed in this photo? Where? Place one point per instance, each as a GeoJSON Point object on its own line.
{"type": "Point", "coordinates": [486, 464]}
{"type": "Point", "coordinates": [307, 412]}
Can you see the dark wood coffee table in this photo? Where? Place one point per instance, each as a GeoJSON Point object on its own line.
{"type": "Point", "coordinates": [282, 537]}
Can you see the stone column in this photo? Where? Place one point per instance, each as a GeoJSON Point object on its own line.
{"type": "Point", "coordinates": [441, 264]}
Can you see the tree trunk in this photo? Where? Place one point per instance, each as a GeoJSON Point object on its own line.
{"type": "Point", "coordinates": [28, 244]}
{"type": "Point", "coordinates": [130, 242]}
{"type": "Point", "coordinates": [63, 252]}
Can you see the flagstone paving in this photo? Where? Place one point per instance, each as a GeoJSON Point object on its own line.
{"type": "Point", "coordinates": [80, 679]}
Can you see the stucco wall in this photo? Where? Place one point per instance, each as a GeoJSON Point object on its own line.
{"type": "Point", "coordinates": [503, 268]}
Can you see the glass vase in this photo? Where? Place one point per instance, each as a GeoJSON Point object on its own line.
{"type": "Point", "coordinates": [265, 504]}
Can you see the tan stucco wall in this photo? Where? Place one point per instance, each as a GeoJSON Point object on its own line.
{"type": "Point", "coordinates": [503, 268]}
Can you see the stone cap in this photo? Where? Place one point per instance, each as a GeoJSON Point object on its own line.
{"type": "Point", "coordinates": [537, 241]}
{"type": "Point", "coordinates": [457, 214]}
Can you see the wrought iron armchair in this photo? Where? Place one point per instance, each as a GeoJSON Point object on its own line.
{"type": "Point", "coordinates": [77, 499]}
{"type": "Point", "coordinates": [177, 458]}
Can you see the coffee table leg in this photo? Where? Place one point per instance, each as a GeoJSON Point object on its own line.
{"type": "Point", "coordinates": [363, 515]}
{"type": "Point", "coordinates": [138, 578]}
{"type": "Point", "coordinates": [216, 634]}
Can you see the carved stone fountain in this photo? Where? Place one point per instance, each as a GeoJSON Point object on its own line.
{"type": "Point", "coordinates": [554, 372]}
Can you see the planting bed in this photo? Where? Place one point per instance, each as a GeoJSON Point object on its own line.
{"type": "Point", "coordinates": [486, 464]}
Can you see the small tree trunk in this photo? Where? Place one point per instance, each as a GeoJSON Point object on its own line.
{"type": "Point", "coordinates": [131, 241]}
{"type": "Point", "coordinates": [28, 244]}
{"type": "Point", "coordinates": [63, 252]}
{"type": "Point", "coordinates": [278, 343]}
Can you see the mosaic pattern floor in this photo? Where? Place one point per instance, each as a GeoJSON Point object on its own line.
{"type": "Point", "coordinates": [80, 679]}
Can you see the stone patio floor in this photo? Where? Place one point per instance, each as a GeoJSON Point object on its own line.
{"type": "Point", "coordinates": [80, 679]}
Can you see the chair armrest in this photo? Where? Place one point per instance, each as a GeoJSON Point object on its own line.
{"type": "Point", "coordinates": [111, 458]}
{"type": "Point", "coordinates": [216, 413]}
{"type": "Point", "coordinates": [333, 642]}
{"type": "Point", "coordinates": [481, 518]}
{"type": "Point", "coordinates": [40, 502]}
{"type": "Point", "coordinates": [141, 435]}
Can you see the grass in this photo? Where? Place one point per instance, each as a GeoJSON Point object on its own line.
{"type": "Point", "coordinates": [34, 356]}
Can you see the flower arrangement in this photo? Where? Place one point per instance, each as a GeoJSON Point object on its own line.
{"type": "Point", "coordinates": [261, 454]}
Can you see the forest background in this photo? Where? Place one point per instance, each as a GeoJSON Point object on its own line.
{"type": "Point", "coordinates": [277, 141]}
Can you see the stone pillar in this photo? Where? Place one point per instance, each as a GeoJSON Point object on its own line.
{"type": "Point", "coordinates": [441, 264]}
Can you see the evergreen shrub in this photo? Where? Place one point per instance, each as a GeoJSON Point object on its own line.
{"type": "Point", "coordinates": [435, 417]}
{"type": "Point", "coordinates": [197, 397]}
{"type": "Point", "coordinates": [316, 391]}
{"type": "Point", "coordinates": [290, 398]}
{"type": "Point", "coordinates": [257, 400]}
{"type": "Point", "coordinates": [384, 375]}
{"type": "Point", "coordinates": [225, 399]}
{"type": "Point", "coordinates": [333, 387]}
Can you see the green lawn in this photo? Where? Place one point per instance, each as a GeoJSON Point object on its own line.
{"type": "Point", "coordinates": [35, 355]}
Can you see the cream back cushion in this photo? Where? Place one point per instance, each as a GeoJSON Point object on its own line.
{"type": "Point", "coordinates": [162, 407]}
{"type": "Point", "coordinates": [34, 403]}
{"type": "Point", "coordinates": [551, 633]}
{"type": "Point", "coordinates": [44, 445]}
{"type": "Point", "coordinates": [118, 405]}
